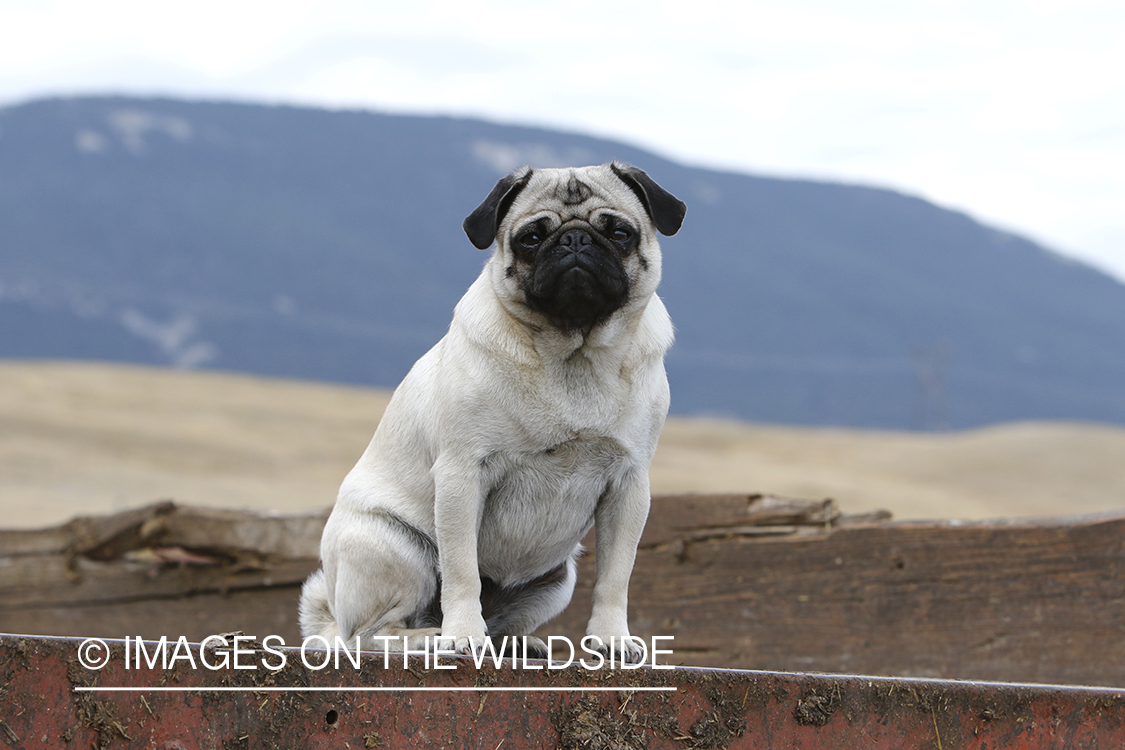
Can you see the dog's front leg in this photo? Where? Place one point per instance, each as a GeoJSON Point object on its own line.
{"type": "Point", "coordinates": [458, 504]}
{"type": "Point", "coordinates": [620, 518]}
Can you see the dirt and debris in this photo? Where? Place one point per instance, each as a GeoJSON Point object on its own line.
{"type": "Point", "coordinates": [816, 709]}
{"type": "Point", "coordinates": [723, 724]}
{"type": "Point", "coordinates": [97, 715]}
{"type": "Point", "coordinates": [711, 710]}
{"type": "Point", "coordinates": [642, 717]}
{"type": "Point", "coordinates": [237, 743]}
{"type": "Point", "coordinates": [587, 724]}
{"type": "Point", "coordinates": [9, 733]}
{"type": "Point", "coordinates": [102, 719]}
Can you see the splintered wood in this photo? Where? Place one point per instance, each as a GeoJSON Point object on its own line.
{"type": "Point", "coordinates": [740, 581]}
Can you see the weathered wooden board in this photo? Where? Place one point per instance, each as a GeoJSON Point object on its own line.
{"type": "Point", "coordinates": [739, 581]}
{"type": "Point", "coordinates": [1035, 601]}
{"type": "Point", "coordinates": [53, 700]}
{"type": "Point", "coordinates": [159, 570]}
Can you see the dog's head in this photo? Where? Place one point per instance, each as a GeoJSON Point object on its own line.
{"type": "Point", "coordinates": [575, 245]}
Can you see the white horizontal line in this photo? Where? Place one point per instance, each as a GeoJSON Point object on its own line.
{"type": "Point", "coordinates": [493, 689]}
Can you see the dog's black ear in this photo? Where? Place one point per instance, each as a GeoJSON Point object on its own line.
{"type": "Point", "coordinates": [481, 224]}
{"type": "Point", "coordinates": [666, 210]}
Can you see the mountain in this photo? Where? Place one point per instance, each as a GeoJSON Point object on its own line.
{"type": "Point", "coordinates": [328, 245]}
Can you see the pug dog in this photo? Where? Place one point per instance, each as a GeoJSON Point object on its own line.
{"type": "Point", "coordinates": [535, 418]}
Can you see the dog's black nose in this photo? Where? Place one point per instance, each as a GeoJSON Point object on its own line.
{"type": "Point", "coordinates": [576, 240]}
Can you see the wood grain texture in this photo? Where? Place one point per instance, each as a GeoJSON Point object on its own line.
{"type": "Point", "coordinates": [51, 702]}
{"type": "Point", "coordinates": [740, 581]}
{"type": "Point", "coordinates": [1038, 601]}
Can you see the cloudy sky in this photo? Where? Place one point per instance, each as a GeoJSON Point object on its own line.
{"type": "Point", "coordinates": [1011, 110]}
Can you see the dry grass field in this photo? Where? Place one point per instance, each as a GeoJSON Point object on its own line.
{"type": "Point", "coordinates": [81, 438]}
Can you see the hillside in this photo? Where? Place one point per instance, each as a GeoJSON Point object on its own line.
{"type": "Point", "coordinates": [88, 438]}
{"type": "Point", "coordinates": [327, 245]}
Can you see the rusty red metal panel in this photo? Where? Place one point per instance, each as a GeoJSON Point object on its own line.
{"type": "Point", "coordinates": [51, 700]}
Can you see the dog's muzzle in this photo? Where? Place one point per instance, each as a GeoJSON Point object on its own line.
{"type": "Point", "coordinates": [578, 281]}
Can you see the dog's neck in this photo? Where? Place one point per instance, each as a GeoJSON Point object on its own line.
{"type": "Point", "coordinates": [516, 333]}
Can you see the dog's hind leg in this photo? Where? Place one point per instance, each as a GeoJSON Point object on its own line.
{"type": "Point", "coordinates": [379, 579]}
{"type": "Point", "coordinates": [522, 608]}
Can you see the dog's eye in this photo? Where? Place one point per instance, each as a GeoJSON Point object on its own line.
{"type": "Point", "coordinates": [620, 234]}
{"type": "Point", "coordinates": [530, 239]}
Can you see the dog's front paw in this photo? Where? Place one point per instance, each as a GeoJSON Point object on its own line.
{"type": "Point", "coordinates": [466, 645]}
{"type": "Point", "coordinates": [461, 638]}
{"type": "Point", "coordinates": [618, 649]}
{"type": "Point", "coordinates": [608, 634]}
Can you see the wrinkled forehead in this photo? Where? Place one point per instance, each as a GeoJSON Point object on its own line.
{"type": "Point", "coordinates": [576, 193]}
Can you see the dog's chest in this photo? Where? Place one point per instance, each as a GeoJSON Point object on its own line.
{"type": "Point", "coordinates": [539, 505]}
{"type": "Point", "coordinates": [585, 392]}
